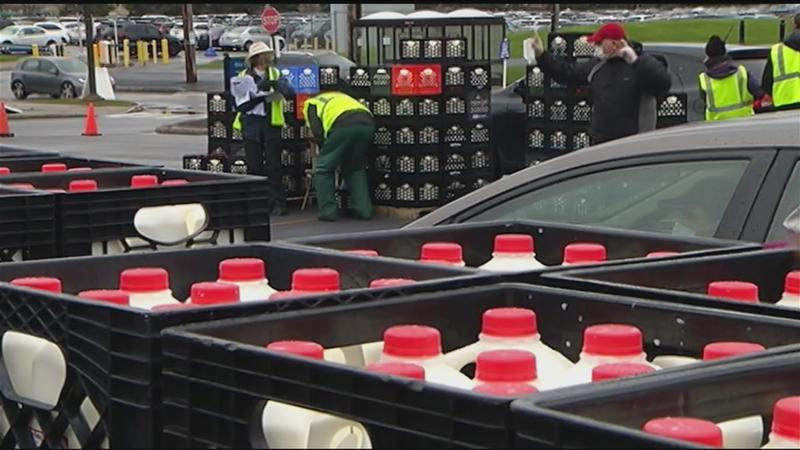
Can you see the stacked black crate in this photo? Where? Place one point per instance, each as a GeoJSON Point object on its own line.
{"type": "Point", "coordinates": [558, 115]}
{"type": "Point", "coordinates": [220, 117]}
{"type": "Point", "coordinates": [468, 160]}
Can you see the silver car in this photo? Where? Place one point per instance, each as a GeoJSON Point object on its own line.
{"type": "Point", "coordinates": [732, 179]}
{"type": "Point", "coordinates": [240, 38]}
{"type": "Point", "coordinates": [57, 77]}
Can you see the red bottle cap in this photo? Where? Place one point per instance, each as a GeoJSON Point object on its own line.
{"type": "Point", "coordinates": [214, 293]}
{"type": "Point", "coordinates": [734, 290]}
{"type": "Point", "coordinates": [176, 182]}
{"type": "Point", "coordinates": [442, 252]}
{"type": "Point", "coordinates": [5, 171]}
{"type": "Point", "coordinates": [792, 284]}
{"type": "Point", "coordinates": [82, 185]}
{"type": "Point", "coordinates": [144, 279]}
{"type": "Point", "coordinates": [362, 252]}
{"type": "Point", "coordinates": [143, 181]}
{"type": "Point", "coordinates": [114, 296]}
{"type": "Point", "coordinates": [686, 429]}
{"type": "Point", "coordinates": [315, 280]}
{"type": "Point", "coordinates": [661, 254]}
{"type": "Point", "coordinates": [513, 244]}
{"type": "Point", "coordinates": [506, 366]}
{"type": "Point", "coordinates": [406, 370]}
{"type": "Point", "coordinates": [584, 252]}
{"type": "Point", "coordinates": [54, 167]}
{"type": "Point", "coordinates": [786, 418]}
{"type": "Point", "coordinates": [612, 340]}
{"type": "Point", "coordinates": [242, 269]}
{"type": "Point", "coordinates": [48, 284]}
{"type": "Point", "coordinates": [386, 282]}
{"type": "Point", "coordinates": [299, 348]}
{"type": "Point", "coordinates": [606, 372]}
{"type": "Point", "coordinates": [412, 341]}
{"type": "Point", "coordinates": [508, 390]}
{"type": "Point", "coordinates": [718, 350]}
{"type": "Point", "coordinates": [509, 322]}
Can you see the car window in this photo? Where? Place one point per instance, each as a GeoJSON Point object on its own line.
{"type": "Point", "coordinates": [31, 65]}
{"type": "Point", "coordinates": [684, 198]}
{"type": "Point", "coordinates": [789, 201]}
{"type": "Point", "coordinates": [46, 66]}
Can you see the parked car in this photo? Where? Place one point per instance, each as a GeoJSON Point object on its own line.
{"type": "Point", "coordinates": [732, 179]}
{"type": "Point", "coordinates": [215, 33]}
{"type": "Point", "coordinates": [76, 31]}
{"type": "Point", "coordinates": [5, 23]}
{"type": "Point", "coordinates": [240, 38]}
{"type": "Point", "coordinates": [27, 35]}
{"type": "Point", "coordinates": [684, 62]}
{"type": "Point", "coordinates": [144, 32]}
{"type": "Point", "coordinates": [57, 30]}
{"type": "Point", "coordinates": [55, 76]}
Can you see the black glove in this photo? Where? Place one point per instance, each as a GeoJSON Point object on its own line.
{"type": "Point", "coordinates": [266, 85]}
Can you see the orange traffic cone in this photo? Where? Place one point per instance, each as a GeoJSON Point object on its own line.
{"type": "Point", "coordinates": [90, 126]}
{"type": "Point", "coordinates": [5, 131]}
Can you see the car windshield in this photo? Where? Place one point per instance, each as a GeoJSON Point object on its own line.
{"type": "Point", "coordinates": [10, 30]}
{"type": "Point", "coordinates": [71, 65]}
{"type": "Point", "coordinates": [48, 26]}
{"type": "Point", "coordinates": [237, 30]}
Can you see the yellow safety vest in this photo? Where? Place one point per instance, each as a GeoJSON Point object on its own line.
{"type": "Point", "coordinates": [276, 119]}
{"type": "Point", "coordinates": [785, 75]}
{"type": "Point", "coordinates": [330, 106]}
{"type": "Point", "coordinates": [727, 98]}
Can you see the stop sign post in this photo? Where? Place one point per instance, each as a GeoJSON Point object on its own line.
{"type": "Point", "coordinates": [270, 19]}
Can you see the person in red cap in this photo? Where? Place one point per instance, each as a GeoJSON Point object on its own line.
{"type": "Point", "coordinates": [624, 82]}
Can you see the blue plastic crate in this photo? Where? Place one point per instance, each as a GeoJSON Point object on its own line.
{"type": "Point", "coordinates": [303, 79]}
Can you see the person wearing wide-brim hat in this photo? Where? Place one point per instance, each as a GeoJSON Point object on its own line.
{"type": "Point", "coordinates": [259, 92]}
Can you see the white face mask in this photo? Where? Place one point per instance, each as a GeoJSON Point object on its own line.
{"type": "Point", "coordinates": [259, 72]}
{"type": "Point", "coordinates": [598, 53]}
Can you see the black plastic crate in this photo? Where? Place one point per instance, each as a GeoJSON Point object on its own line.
{"type": "Point", "coordinates": [424, 159]}
{"type": "Point", "coordinates": [380, 81]}
{"type": "Point", "coordinates": [479, 77]}
{"type": "Point", "coordinates": [569, 45]}
{"type": "Point", "coordinates": [557, 138]}
{"type": "Point", "coordinates": [27, 225]}
{"type": "Point", "coordinates": [611, 414]}
{"type": "Point", "coordinates": [113, 354]}
{"type": "Point", "coordinates": [406, 190]}
{"type": "Point", "coordinates": [295, 182]}
{"type": "Point", "coordinates": [429, 107]}
{"type": "Point", "coordinates": [458, 184]}
{"type": "Point", "coordinates": [329, 78]}
{"type": "Point", "coordinates": [455, 105]}
{"type": "Point", "coordinates": [360, 80]}
{"type": "Point", "coordinates": [218, 375]}
{"type": "Point", "coordinates": [220, 127]}
{"type": "Point", "coordinates": [686, 281]}
{"type": "Point", "coordinates": [477, 239]}
{"type": "Point", "coordinates": [404, 108]}
{"type": "Point", "coordinates": [479, 103]}
{"type": "Point", "coordinates": [577, 111]}
{"type": "Point", "coordinates": [671, 110]}
{"type": "Point", "coordinates": [10, 151]}
{"type": "Point", "coordinates": [383, 136]}
{"type": "Point", "coordinates": [467, 158]}
{"type": "Point", "coordinates": [454, 78]}
{"type": "Point", "coordinates": [411, 49]}
{"type": "Point", "coordinates": [25, 165]}
{"type": "Point", "coordinates": [219, 104]}
{"type": "Point", "coordinates": [98, 222]}
{"type": "Point", "coordinates": [295, 156]}
{"type": "Point", "coordinates": [380, 107]}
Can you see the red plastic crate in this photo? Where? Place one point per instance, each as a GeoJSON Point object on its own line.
{"type": "Point", "coordinates": [300, 101]}
{"type": "Point", "coordinates": [429, 79]}
{"type": "Point", "coordinates": [404, 79]}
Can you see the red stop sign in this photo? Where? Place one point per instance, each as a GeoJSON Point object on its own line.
{"type": "Point", "coordinates": [270, 19]}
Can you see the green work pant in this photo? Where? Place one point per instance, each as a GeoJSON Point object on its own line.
{"type": "Point", "coordinates": [345, 147]}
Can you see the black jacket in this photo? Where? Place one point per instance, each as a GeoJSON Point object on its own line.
{"type": "Point", "coordinates": [617, 89]}
{"type": "Point", "coordinates": [793, 42]}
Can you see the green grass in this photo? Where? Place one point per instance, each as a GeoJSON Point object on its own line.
{"type": "Point", "coordinates": [10, 58]}
{"type": "Point", "coordinates": [757, 32]}
{"type": "Point", "coordinates": [77, 101]}
{"type": "Point", "coordinates": [218, 64]}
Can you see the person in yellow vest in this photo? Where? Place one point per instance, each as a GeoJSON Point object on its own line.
{"type": "Point", "coordinates": [781, 77]}
{"type": "Point", "coordinates": [259, 92]}
{"type": "Point", "coordinates": [727, 88]}
{"type": "Point", "coordinates": [345, 130]}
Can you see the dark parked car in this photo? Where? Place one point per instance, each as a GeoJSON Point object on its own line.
{"type": "Point", "coordinates": [732, 179]}
{"type": "Point", "coordinates": [684, 62]}
{"type": "Point", "coordinates": [55, 76]}
{"type": "Point", "coordinates": [144, 32]}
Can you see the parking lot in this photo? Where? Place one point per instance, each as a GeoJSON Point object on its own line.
{"type": "Point", "coordinates": [598, 247]}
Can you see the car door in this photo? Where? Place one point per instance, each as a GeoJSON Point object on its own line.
{"type": "Point", "coordinates": [49, 77]}
{"type": "Point", "coordinates": [30, 75]}
{"type": "Point", "coordinates": [704, 193]}
{"type": "Point", "coordinates": [779, 196]}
